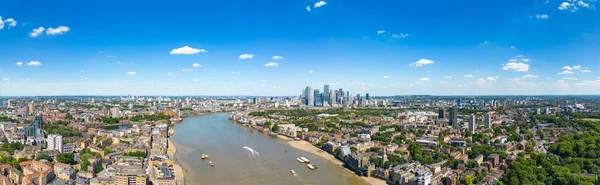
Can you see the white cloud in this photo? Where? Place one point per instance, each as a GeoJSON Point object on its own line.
{"type": "Point", "coordinates": [543, 16]}
{"type": "Point", "coordinates": [443, 82]}
{"type": "Point", "coordinates": [401, 35]}
{"type": "Point", "coordinates": [513, 47]}
{"type": "Point", "coordinates": [566, 6]}
{"type": "Point", "coordinates": [271, 64]}
{"type": "Point", "coordinates": [585, 71]}
{"type": "Point", "coordinates": [5, 79]}
{"type": "Point", "coordinates": [567, 68]}
{"type": "Point", "coordinates": [530, 76]}
{"type": "Point", "coordinates": [19, 63]}
{"type": "Point", "coordinates": [308, 8]}
{"type": "Point", "coordinates": [583, 4]}
{"type": "Point", "coordinates": [422, 62]}
{"type": "Point", "coordinates": [492, 78]}
{"type": "Point", "coordinates": [34, 63]}
{"type": "Point", "coordinates": [526, 60]}
{"type": "Point", "coordinates": [36, 32]}
{"type": "Point", "coordinates": [186, 50]}
{"type": "Point", "coordinates": [131, 73]}
{"type": "Point", "coordinates": [576, 67]}
{"type": "Point", "coordinates": [516, 66]}
{"type": "Point", "coordinates": [57, 31]}
{"type": "Point", "coordinates": [565, 73]}
{"type": "Point", "coordinates": [310, 72]}
{"type": "Point", "coordinates": [569, 78]}
{"type": "Point", "coordinates": [277, 57]}
{"type": "Point", "coordinates": [423, 79]}
{"type": "Point", "coordinates": [469, 76]}
{"type": "Point", "coordinates": [195, 80]}
{"type": "Point", "coordinates": [380, 31]}
{"type": "Point", "coordinates": [10, 22]}
{"type": "Point", "coordinates": [448, 77]}
{"type": "Point", "coordinates": [170, 74]}
{"type": "Point", "coordinates": [186, 70]}
{"type": "Point", "coordinates": [386, 76]}
{"type": "Point", "coordinates": [246, 56]}
{"type": "Point", "coordinates": [319, 4]}
{"type": "Point", "coordinates": [196, 65]}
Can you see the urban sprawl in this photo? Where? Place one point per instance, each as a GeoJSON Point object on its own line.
{"type": "Point", "coordinates": [404, 140]}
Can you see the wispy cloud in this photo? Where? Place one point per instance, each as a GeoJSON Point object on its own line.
{"type": "Point", "coordinates": [34, 63]}
{"type": "Point", "coordinates": [37, 32]}
{"type": "Point", "coordinates": [422, 62]}
{"type": "Point", "coordinates": [530, 76]}
{"type": "Point", "coordinates": [271, 64]}
{"type": "Point", "coordinates": [246, 56]}
{"type": "Point", "coordinates": [319, 4]}
{"type": "Point", "coordinates": [186, 50]}
{"type": "Point", "coordinates": [19, 63]}
{"type": "Point", "coordinates": [565, 72]}
{"type": "Point", "coordinates": [423, 79]}
{"type": "Point", "coordinates": [277, 57]}
{"type": "Point", "coordinates": [542, 16]}
{"type": "Point", "coordinates": [186, 70]}
{"type": "Point", "coordinates": [380, 31]}
{"type": "Point", "coordinates": [386, 76]}
{"type": "Point", "coordinates": [196, 65]}
{"type": "Point", "coordinates": [57, 31]}
{"type": "Point", "coordinates": [469, 76]}
{"type": "Point", "coordinates": [131, 73]}
{"type": "Point", "coordinates": [516, 66]}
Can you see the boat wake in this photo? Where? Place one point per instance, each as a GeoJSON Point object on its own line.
{"type": "Point", "coordinates": [250, 150]}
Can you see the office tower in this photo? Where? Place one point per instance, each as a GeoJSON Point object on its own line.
{"type": "Point", "coordinates": [348, 97]}
{"type": "Point", "coordinates": [318, 98]}
{"type": "Point", "coordinates": [472, 123]}
{"type": "Point", "coordinates": [331, 97]}
{"type": "Point", "coordinates": [54, 142]}
{"type": "Point", "coordinates": [187, 101]}
{"type": "Point", "coordinates": [487, 120]}
{"type": "Point", "coordinates": [326, 93]}
{"type": "Point", "coordinates": [481, 104]}
{"type": "Point", "coordinates": [8, 104]}
{"type": "Point", "coordinates": [547, 111]}
{"type": "Point", "coordinates": [442, 113]}
{"type": "Point", "coordinates": [130, 106]}
{"type": "Point", "coordinates": [453, 117]}
{"type": "Point", "coordinates": [115, 112]}
{"type": "Point", "coordinates": [458, 102]}
{"type": "Point", "coordinates": [367, 96]}
{"type": "Point", "coordinates": [538, 111]}
{"type": "Point", "coordinates": [310, 97]}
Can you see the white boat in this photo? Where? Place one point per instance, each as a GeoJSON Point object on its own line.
{"type": "Point", "coordinates": [211, 163]}
{"type": "Point", "coordinates": [292, 172]}
{"type": "Point", "coordinates": [300, 160]}
{"type": "Point", "coordinates": [204, 156]}
{"type": "Point", "coordinates": [305, 159]}
{"type": "Point", "coordinates": [310, 166]}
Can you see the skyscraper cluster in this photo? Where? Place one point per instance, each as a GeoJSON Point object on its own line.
{"type": "Point", "coordinates": [329, 97]}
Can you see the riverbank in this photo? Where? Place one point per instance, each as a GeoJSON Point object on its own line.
{"type": "Point", "coordinates": [308, 147]}
{"type": "Point", "coordinates": [179, 172]}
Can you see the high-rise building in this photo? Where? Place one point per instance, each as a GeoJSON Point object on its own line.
{"type": "Point", "coordinates": [487, 121]}
{"type": "Point", "coordinates": [367, 96]}
{"type": "Point", "coordinates": [30, 109]}
{"type": "Point", "coordinates": [318, 98]}
{"type": "Point", "coordinates": [547, 111]}
{"type": "Point", "coordinates": [472, 123]}
{"type": "Point", "coordinates": [35, 129]}
{"type": "Point", "coordinates": [326, 93]}
{"type": "Point", "coordinates": [538, 111]}
{"type": "Point", "coordinates": [115, 112]}
{"type": "Point", "coordinates": [453, 117]}
{"type": "Point", "coordinates": [8, 104]}
{"type": "Point", "coordinates": [458, 102]}
{"type": "Point", "coordinates": [442, 113]}
{"type": "Point", "coordinates": [331, 97]}
{"type": "Point", "coordinates": [54, 142]}
{"type": "Point", "coordinates": [310, 97]}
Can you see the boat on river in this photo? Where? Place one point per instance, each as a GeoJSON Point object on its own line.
{"type": "Point", "coordinates": [204, 156]}
{"type": "Point", "coordinates": [292, 172]}
{"type": "Point", "coordinates": [300, 160]}
{"type": "Point", "coordinates": [305, 159]}
{"type": "Point", "coordinates": [311, 166]}
{"type": "Point", "coordinates": [211, 163]}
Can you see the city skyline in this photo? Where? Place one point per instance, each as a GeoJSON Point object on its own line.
{"type": "Point", "coordinates": [272, 48]}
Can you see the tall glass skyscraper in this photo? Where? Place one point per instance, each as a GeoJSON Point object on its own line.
{"type": "Point", "coordinates": [310, 97]}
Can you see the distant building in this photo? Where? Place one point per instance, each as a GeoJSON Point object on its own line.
{"type": "Point", "coordinates": [54, 142]}
{"type": "Point", "coordinates": [454, 117]}
{"type": "Point", "coordinates": [472, 125]}
{"type": "Point", "coordinates": [442, 113]}
{"type": "Point", "coordinates": [487, 120]}
{"type": "Point", "coordinates": [35, 129]}
{"type": "Point", "coordinates": [310, 99]}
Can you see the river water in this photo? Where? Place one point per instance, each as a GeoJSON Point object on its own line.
{"type": "Point", "coordinates": [223, 140]}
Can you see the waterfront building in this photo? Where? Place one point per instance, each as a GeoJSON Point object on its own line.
{"type": "Point", "coordinates": [54, 142]}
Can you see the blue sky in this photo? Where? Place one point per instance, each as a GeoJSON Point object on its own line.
{"type": "Point", "coordinates": [386, 47]}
